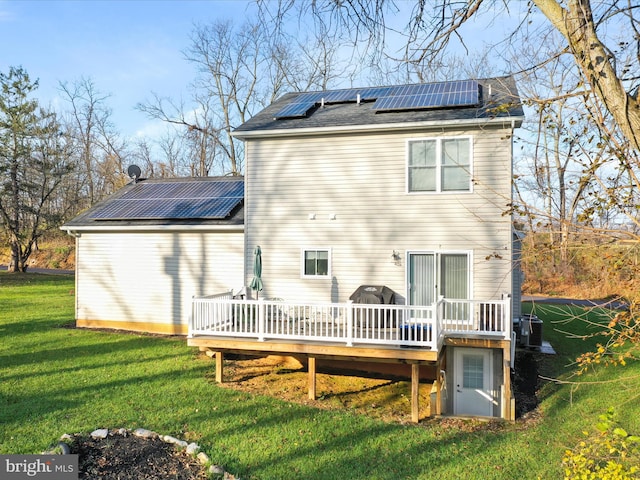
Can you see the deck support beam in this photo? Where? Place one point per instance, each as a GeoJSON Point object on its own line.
{"type": "Point", "coordinates": [312, 377]}
{"type": "Point", "coordinates": [219, 367]}
{"type": "Point", "coordinates": [216, 347]}
{"type": "Point", "coordinates": [415, 392]}
{"type": "Point", "coordinates": [508, 412]}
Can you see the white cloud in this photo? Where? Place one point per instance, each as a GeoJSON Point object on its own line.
{"type": "Point", "coordinates": [152, 130]}
{"type": "Point", "coordinates": [5, 14]}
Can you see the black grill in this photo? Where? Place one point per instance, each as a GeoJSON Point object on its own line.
{"type": "Point", "coordinates": [374, 295]}
{"type": "Point", "coordinates": [377, 294]}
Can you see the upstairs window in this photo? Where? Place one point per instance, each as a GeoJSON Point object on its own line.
{"type": "Point", "coordinates": [315, 263]}
{"type": "Point", "coordinates": [439, 165]}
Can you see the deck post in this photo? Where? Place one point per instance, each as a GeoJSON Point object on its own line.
{"type": "Point", "coordinates": [261, 319]}
{"type": "Point", "coordinates": [508, 414]}
{"type": "Point", "coordinates": [219, 367]}
{"type": "Point", "coordinates": [350, 323]}
{"type": "Point", "coordinates": [312, 377]}
{"type": "Point", "coordinates": [415, 392]}
{"type": "Point", "coordinates": [441, 379]}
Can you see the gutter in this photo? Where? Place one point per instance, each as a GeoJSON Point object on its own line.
{"type": "Point", "coordinates": [76, 231]}
{"type": "Point", "coordinates": [504, 122]}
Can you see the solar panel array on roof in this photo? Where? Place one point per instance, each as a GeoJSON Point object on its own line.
{"type": "Point", "coordinates": [295, 110]}
{"type": "Point", "coordinates": [405, 97]}
{"type": "Point", "coordinates": [174, 200]}
{"type": "Point", "coordinates": [430, 95]}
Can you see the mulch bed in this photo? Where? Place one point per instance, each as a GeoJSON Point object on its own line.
{"type": "Point", "coordinates": [127, 457]}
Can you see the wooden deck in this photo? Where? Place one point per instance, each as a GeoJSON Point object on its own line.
{"type": "Point", "coordinates": [416, 336]}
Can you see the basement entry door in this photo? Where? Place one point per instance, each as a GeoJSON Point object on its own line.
{"type": "Point", "coordinates": [472, 382]}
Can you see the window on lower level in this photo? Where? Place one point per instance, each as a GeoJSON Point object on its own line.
{"type": "Point", "coordinates": [316, 262]}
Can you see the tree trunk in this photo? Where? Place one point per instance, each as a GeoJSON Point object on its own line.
{"type": "Point", "coordinates": [576, 25]}
{"type": "Point", "coordinates": [18, 262]}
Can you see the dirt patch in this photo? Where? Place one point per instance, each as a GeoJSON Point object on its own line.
{"type": "Point", "coordinates": [127, 457]}
{"type": "Point", "coordinates": [54, 252]}
{"type": "Point", "coordinates": [385, 399]}
{"type": "Point", "coordinates": [287, 379]}
{"type": "Point", "coordinates": [525, 382]}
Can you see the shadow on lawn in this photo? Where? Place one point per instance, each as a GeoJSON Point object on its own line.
{"type": "Point", "coordinates": [63, 369]}
{"type": "Point", "coordinates": [36, 354]}
{"type": "Point", "coordinates": [359, 449]}
{"type": "Point", "coordinates": [303, 442]}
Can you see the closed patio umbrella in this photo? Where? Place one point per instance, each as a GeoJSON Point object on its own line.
{"type": "Point", "coordinates": [256, 282]}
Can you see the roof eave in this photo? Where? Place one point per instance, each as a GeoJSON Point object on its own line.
{"type": "Point", "coordinates": [72, 229]}
{"type": "Point", "coordinates": [506, 122]}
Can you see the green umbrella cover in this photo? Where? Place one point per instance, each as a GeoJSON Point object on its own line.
{"type": "Point", "coordinates": [256, 282]}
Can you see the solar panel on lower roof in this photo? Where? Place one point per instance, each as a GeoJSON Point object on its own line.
{"type": "Point", "coordinates": [191, 189]}
{"type": "Point", "coordinates": [174, 200]}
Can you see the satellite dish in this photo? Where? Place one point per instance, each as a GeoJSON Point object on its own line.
{"type": "Point", "coordinates": [134, 172]}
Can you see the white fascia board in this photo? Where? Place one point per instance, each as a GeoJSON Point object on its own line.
{"type": "Point", "coordinates": [505, 122]}
{"type": "Point", "coordinates": [71, 230]}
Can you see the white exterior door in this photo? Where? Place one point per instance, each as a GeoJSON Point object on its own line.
{"type": "Point", "coordinates": [472, 382]}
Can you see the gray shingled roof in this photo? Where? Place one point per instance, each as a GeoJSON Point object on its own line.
{"type": "Point", "coordinates": [235, 218]}
{"type": "Point", "coordinates": [503, 101]}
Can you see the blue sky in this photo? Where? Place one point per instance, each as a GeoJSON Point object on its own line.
{"type": "Point", "coordinates": [129, 48]}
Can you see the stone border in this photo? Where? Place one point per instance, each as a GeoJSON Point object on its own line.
{"type": "Point", "coordinates": [192, 449]}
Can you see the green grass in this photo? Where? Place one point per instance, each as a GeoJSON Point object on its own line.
{"type": "Point", "coordinates": [55, 380]}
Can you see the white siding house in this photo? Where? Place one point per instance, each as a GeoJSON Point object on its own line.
{"type": "Point", "coordinates": [347, 194]}
{"type": "Point", "coordinates": [407, 187]}
{"type": "Point", "coordinates": [138, 270]}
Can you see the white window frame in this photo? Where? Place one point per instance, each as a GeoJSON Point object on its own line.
{"type": "Point", "coordinates": [303, 252]}
{"type": "Point", "coordinates": [438, 167]}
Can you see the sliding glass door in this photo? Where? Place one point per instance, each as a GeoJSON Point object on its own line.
{"type": "Point", "coordinates": [431, 274]}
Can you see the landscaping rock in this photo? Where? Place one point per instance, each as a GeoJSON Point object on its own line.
{"type": "Point", "coordinates": [144, 433]}
{"type": "Point", "coordinates": [175, 441]}
{"type": "Point", "coordinates": [100, 433]}
{"type": "Point", "coordinates": [129, 453]}
{"type": "Point", "coordinates": [193, 448]}
{"type": "Point", "coordinates": [64, 448]}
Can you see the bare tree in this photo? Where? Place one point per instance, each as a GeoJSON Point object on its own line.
{"type": "Point", "coordinates": [99, 148]}
{"type": "Point", "coordinates": [241, 69]}
{"type": "Point", "coordinates": [432, 27]}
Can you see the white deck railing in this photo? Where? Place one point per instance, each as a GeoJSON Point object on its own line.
{"type": "Point", "coordinates": [348, 323]}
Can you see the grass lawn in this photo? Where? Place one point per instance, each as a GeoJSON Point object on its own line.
{"type": "Point", "coordinates": [55, 379]}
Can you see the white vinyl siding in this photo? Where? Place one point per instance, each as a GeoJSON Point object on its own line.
{"type": "Point", "coordinates": [348, 192]}
{"type": "Point", "coordinates": [150, 277]}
